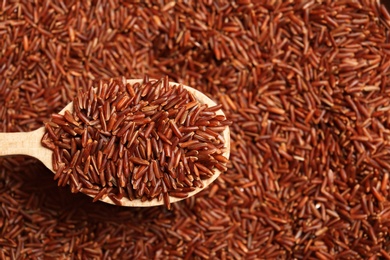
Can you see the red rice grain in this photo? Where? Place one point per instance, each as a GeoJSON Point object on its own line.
{"type": "Point", "coordinates": [306, 79]}
{"type": "Point", "coordinates": [108, 177]}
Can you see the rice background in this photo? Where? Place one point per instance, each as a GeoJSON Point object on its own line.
{"type": "Point", "coordinates": [305, 83]}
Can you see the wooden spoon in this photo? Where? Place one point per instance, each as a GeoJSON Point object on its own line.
{"type": "Point", "coordinates": [29, 143]}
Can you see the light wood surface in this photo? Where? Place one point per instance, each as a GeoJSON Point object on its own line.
{"type": "Point", "coordinates": [29, 143]}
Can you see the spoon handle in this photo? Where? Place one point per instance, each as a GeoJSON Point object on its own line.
{"type": "Point", "coordinates": [25, 143]}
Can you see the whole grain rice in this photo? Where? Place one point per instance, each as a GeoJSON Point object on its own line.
{"type": "Point", "coordinates": [305, 84]}
{"type": "Point", "coordinates": [124, 119]}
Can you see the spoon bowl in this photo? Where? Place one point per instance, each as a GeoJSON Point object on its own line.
{"type": "Point", "coordinates": [29, 143]}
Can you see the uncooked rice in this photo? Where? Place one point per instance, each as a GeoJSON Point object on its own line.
{"type": "Point", "coordinates": [123, 119]}
{"type": "Point", "coordinates": [305, 83]}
